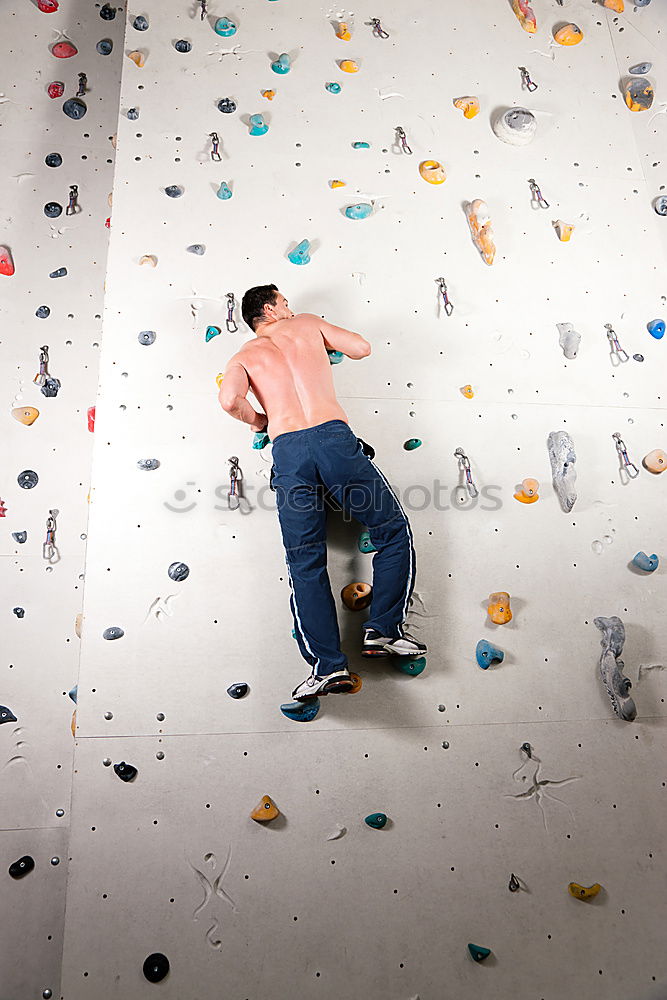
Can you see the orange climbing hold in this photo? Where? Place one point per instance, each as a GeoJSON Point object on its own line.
{"type": "Point", "coordinates": [343, 32]}
{"type": "Point", "coordinates": [265, 811]}
{"type": "Point", "coordinates": [499, 608]}
{"type": "Point", "coordinates": [25, 414]}
{"type": "Point", "coordinates": [467, 391]}
{"type": "Point", "coordinates": [564, 230]}
{"type": "Point", "coordinates": [357, 596]}
{"type": "Point", "coordinates": [569, 34]}
{"type": "Point", "coordinates": [138, 58]}
{"type": "Point", "coordinates": [6, 261]}
{"type": "Point", "coordinates": [477, 215]}
{"type": "Point", "coordinates": [337, 184]}
{"type": "Point", "coordinates": [655, 461]}
{"type": "Point", "coordinates": [269, 94]}
{"type": "Point", "coordinates": [349, 66]}
{"type": "Point", "coordinates": [528, 492]}
{"type": "Point", "coordinates": [432, 171]}
{"type": "Point", "coordinates": [468, 105]}
{"type": "Point", "coordinates": [356, 684]}
{"type": "Point", "coordinates": [525, 15]}
{"type": "Point", "coordinates": [616, 5]}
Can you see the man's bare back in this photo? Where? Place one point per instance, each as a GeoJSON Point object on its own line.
{"type": "Point", "coordinates": [287, 368]}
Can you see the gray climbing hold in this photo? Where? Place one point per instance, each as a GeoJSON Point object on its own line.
{"type": "Point", "coordinates": [148, 464]}
{"type": "Point", "coordinates": [140, 23]}
{"type": "Point", "coordinates": [637, 357]}
{"type": "Point", "coordinates": [147, 337]}
{"type": "Point", "coordinates": [660, 205]}
{"type": "Point", "coordinates": [52, 209]}
{"type": "Point", "coordinates": [640, 69]}
{"type": "Point", "coordinates": [173, 191]}
{"type": "Point", "coordinates": [27, 479]}
{"type": "Point", "coordinates": [569, 340]}
{"type": "Point", "coordinates": [178, 571]}
{"type": "Point", "coordinates": [562, 457]}
{"type": "Point", "coordinates": [6, 715]}
{"type": "Point", "coordinates": [133, 114]}
{"type": "Point", "coordinates": [104, 46]}
{"type": "Point", "coordinates": [611, 667]}
{"type": "Point", "coordinates": [516, 126]}
{"type": "Point", "coordinates": [227, 106]}
{"type": "Point", "coordinates": [19, 612]}
{"type": "Point", "coordinates": [43, 312]}
{"type": "Point", "coordinates": [74, 108]}
{"type": "Point", "coordinates": [59, 272]}
{"type": "Point", "coordinates": [53, 159]}
{"type": "Point", "coordinates": [20, 536]}
{"type": "Point", "coordinates": [197, 248]}
{"type": "Point", "coordinates": [237, 690]}
{"type": "Point", "coordinates": [182, 45]}
{"type": "Point", "coordinates": [113, 632]}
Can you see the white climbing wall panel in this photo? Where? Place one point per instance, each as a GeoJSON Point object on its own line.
{"type": "Point", "coordinates": [171, 862]}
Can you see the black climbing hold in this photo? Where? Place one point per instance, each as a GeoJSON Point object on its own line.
{"type": "Point", "coordinates": [53, 159]}
{"type": "Point", "coordinates": [156, 967]}
{"type": "Point", "coordinates": [178, 571]}
{"type": "Point", "coordinates": [173, 191]}
{"type": "Point", "coordinates": [27, 479]}
{"type": "Point", "coordinates": [6, 715]}
{"type": "Point", "coordinates": [227, 106]}
{"type": "Point", "coordinates": [50, 387]}
{"type": "Point", "coordinates": [237, 690]}
{"type": "Point", "coordinates": [527, 749]}
{"type": "Point", "coordinates": [19, 612]}
{"type": "Point", "coordinates": [107, 13]}
{"type": "Point", "coordinates": [21, 867]}
{"type": "Point", "coordinates": [42, 312]}
{"type": "Point", "coordinates": [20, 536]}
{"type": "Point", "coordinates": [140, 23]}
{"type": "Point", "coordinates": [59, 272]}
{"type": "Point", "coordinates": [113, 632]}
{"type": "Point", "coordinates": [638, 357]}
{"type": "Point", "coordinates": [148, 464]}
{"type": "Point", "coordinates": [126, 772]}
{"type": "Point", "coordinates": [52, 209]}
{"type": "Point", "coordinates": [182, 45]}
{"type": "Point", "coordinates": [147, 337]}
{"type": "Point", "coordinates": [104, 46]}
{"type": "Point", "coordinates": [74, 108]}
{"type": "Point", "coordinates": [514, 884]}
{"type": "Point", "coordinates": [133, 114]}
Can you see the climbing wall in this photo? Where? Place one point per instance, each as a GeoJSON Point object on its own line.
{"type": "Point", "coordinates": [54, 298]}
{"type": "Point", "coordinates": [520, 769]}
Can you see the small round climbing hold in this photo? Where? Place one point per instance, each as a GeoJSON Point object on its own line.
{"type": "Point", "coordinates": [301, 711]}
{"type": "Point", "coordinates": [333, 88]}
{"type": "Point", "coordinates": [104, 46]}
{"type": "Point", "coordinates": [147, 337]}
{"type": "Point", "coordinates": [584, 892]}
{"type": "Point", "coordinates": [411, 444]}
{"type": "Point", "coordinates": [173, 191]}
{"type": "Point", "coordinates": [64, 50]}
{"type": "Point", "coordinates": [75, 108]}
{"type": "Point", "coordinates": [478, 953]}
{"type": "Point", "coordinates": [126, 772]}
{"type": "Point", "coordinates": [113, 632]}
{"type": "Point", "coordinates": [42, 312]}
{"type": "Point", "coordinates": [196, 248]}
{"type": "Point", "coordinates": [132, 114]}
{"type": "Point", "coordinates": [376, 820]}
{"type": "Point", "coordinates": [265, 811]}
{"type": "Point", "coordinates": [237, 690]}
{"type": "Point", "coordinates": [20, 536]}
{"type": "Point", "coordinates": [52, 209]}
{"type": "Point", "coordinates": [148, 464]}
{"type": "Point", "coordinates": [53, 159]}
{"type": "Point", "coordinates": [656, 327]}
{"type": "Point", "coordinates": [156, 967]}
{"type": "Point", "coordinates": [335, 357]}
{"type": "Point", "coordinates": [360, 211]}
{"type": "Point", "coordinates": [19, 612]}
{"type": "Point", "coordinates": [226, 105]}
{"type": "Point", "coordinates": [178, 571]}
{"type": "Point", "coordinates": [467, 391]}
{"type": "Point", "coordinates": [432, 171]}
{"type": "Point", "coordinates": [27, 479]}
{"type": "Point", "coordinates": [140, 23]}
{"type": "Point", "coordinates": [364, 543]}
{"type": "Point", "coordinates": [55, 89]}
{"type": "Point", "coordinates": [224, 27]}
{"type": "Point", "coordinates": [107, 12]}
{"type": "Point", "coordinates": [486, 654]}
{"type": "Point", "coordinates": [411, 666]}
{"type": "Point", "coordinates": [182, 45]}
{"type": "Point", "coordinates": [660, 205]}
{"type": "Point", "coordinates": [357, 596]}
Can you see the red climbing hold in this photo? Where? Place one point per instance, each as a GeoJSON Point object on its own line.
{"type": "Point", "coordinates": [108, 223]}
{"type": "Point", "coordinates": [48, 6]}
{"type": "Point", "coordinates": [91, 418]}
{"type": "Point", "coordinates": [64, 50]}
{"type": "Point", "coordinates": [56, 89]}
{"type": "Point", "coordinates": [3, 509]}
{"type": "Point", "coordinates": [6, 262]}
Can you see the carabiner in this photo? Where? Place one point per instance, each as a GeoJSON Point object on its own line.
{"type": "Point", "coordinates": [537, 199]}
{"type": "Point", "coordinates": [401, 139]}
{"type": "Point", "coordinates": [83, 83]}
{"type": "Point", "coordinates": [378, 30]}
{"type": "Point", "coordinates": [234, 475]}
{"type": "Point", "coordinates": [616, 349]}
{"type": "Point", "coordinates": [231, 303]}
{"type": "Point", "coordinates": [464, 463]}
{"type": "Point", "coordinates": [204, 9]}
{"type": "Point", "coordinates": [626, 464]}
{"type": "Point", "coordinates": [526, 81]}
{"type": "Point", "coordinates": [73, 203]}
{"type": "Point", "coordinates": [215, 152]}
{"type": "Point", "coordinates": [49, 550]}
{"type": "Point", "coordinates": [447, 304]}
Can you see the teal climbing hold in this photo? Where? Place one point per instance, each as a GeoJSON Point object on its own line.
{"type": "Point", "coordinates": [410, 666]}
{"type": "Point", "coordinates": [376, 820]}
{"type": "Point", "coordinates": [360, 211]}
{"type": "Point", "coordinates": [361, 145]}
{"type": "Point", "coordinates": [257, 125]}
{"type": "Point", "coordinates": [411, 444]}
{"type": "Point", "coordinates": [301, 253]}
{"type": "Point", "coordinates": [486, 654]}
{"type": "Point", "coordinates": [211, 332]}
{"type": "Point", "coordinates": [223, 26]}
{"type": "Point", "coordinates": [656, 328]}
{"type": "Point", "coordinates": [335, 357]}
{"type": "Point", "coordinates": [364, 543]}
{"type": "Point", "coordinates": [647, 563]}
{"type": "Point", "coordinates": [282, 64]}
{"type": "Point", "coordinates": [301, 711]}
{"type": "Point", "coordinates": [333, 88]}
{"type": "Point", "coordinates": [478, 953]}
{"type": "Point", "coordinates": [224, 192]}
{"type": "Point", "coordinates": [260, 440]}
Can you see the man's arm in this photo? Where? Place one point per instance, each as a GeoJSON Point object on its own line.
{"type": "Point", "coordinates": [232, 396]}
{"type": "Point", "coordinates": [353, 345]}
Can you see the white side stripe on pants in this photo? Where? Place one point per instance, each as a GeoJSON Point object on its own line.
{"type": "Point", "coordinates": [298, 621]}
{"type": "Point", "coordinates": [407, 527]}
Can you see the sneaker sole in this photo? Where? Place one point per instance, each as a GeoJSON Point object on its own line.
{"type": "Point", "coordinates": [406, 652]}
{"type": "Point", "coordinates": [336, 687]}
{"type": "Point", "coordinates": [375, 651]}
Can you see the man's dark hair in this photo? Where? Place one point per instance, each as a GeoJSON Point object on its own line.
{"type": "Point", "coordinates": [254, 300]}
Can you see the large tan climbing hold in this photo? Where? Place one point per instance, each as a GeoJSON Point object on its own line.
{"type": "Point", "coordinates": [499, 608]}
{"type": "Point", "coordinates": [655, 461]}
{"type": "Point", "coordinates": [25, 414]}
{"type": "Point", "coordinates": [265, 811]}
{"type": "Point", "coordinates": [357, 596]}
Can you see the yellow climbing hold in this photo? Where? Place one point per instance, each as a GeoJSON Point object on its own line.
{"type": "Point", "coordinates": [468, 105]}
{"type": "Point", "coordinates": [467, 391]}
{"type": "Point", "coordinates": [337, 184]}
{"type": "Point", "coordinates": [138, 58]}
{"type": "Point", "coordinates": [432, 171]}
{"type": "Point", "coordinates": [569, 34]}
{"type": "Point", "coordinates": [343, 32]}
{"type": "Point", "coordinates": [616, 5]}
{"type": "Point", "coordinates": [349, 66]}
{"type": "Point", "coordinates": [499, 608]}
{"type": "Point", "coordinates": [265, 811]}
{"type": "Point", "coordinates": [563, 230]}
{"type": "Point", "coordinates": [528, 492]}
{"type": "Point", "coordinates": [269, 94]}
{"type": "Point", "coordinates": [583, 891]}
{"type": "Point", "coordinates": [25, 414]}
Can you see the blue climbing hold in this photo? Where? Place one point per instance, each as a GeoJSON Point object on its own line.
{"type": "Point", "coordinates": [223, 26]}
{"type": "Point", "coordinates": [486, 654]}
{"type": "Point", "coordinates": [104, 46]}
{"type": "Point", "coordinates": [282, 64]}
{"type": "Point", "coordinates": [478, 953]}
{"type": "Point", "coordinates": [224, 192]}
{"type": "Point", "coordinates": [301, 711]}
{"type": "Point", "coordinates": [260, 440]}
{"type": "Point", "coordinates": [333, 88]}
{"type": "Point", "coordinates": [59, 272]}
{"type": "Point", "coordinates": [113, 632]}
{"type": "Point", "coordinates": [227, 106]}
{"type": "Point", "coordinates": [182, 45]}
{"type": "Point", "coordinates": [257, 125]}
{"type": "Point", "coordinates": [335, 357]}
{"type": "Point", "coordinates": [52, 210]}
{"type": "Point", "coordinates": [140, 23]}
{"type": "Point", "coordinates": [237, 690]}
{"type": "Point", "coordinates": [360, 211]}
{"type": "Point", "coordinates": [20, 536]}
{"type": "Point", "coordinates": [361, 145]}
{"type": "Point", "coordinates": [74, 693]}
{"type": "Point", "coordinates": [656, 328]}
{"type": "Point", "coordinates": [74, 108]}
{"type": "Point", "coordinates": [53, 159]}
{"type": "Point", "coordinates": [364, 544]}
{"type": "Point", "coordinates": [646, 563]}
{"type": "Point", "coordinates": [301, 253]}
{"type": "Point", "coordinates": [413, 667]}
{"type": "Point", "coordinates": [211, 332]}
{"type": "Point", "coordinates": [43, 312]}
{"type": "Point", "coordinates": [173, 191]}
{"type": "Point", "coordinates": [376, 820]}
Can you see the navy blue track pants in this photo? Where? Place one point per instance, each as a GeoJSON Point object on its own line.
{"type": "Point", "coordinates": [328, 458]}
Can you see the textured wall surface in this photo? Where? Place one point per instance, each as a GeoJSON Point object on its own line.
{"type": "Point", "coordinates": [317, 902]}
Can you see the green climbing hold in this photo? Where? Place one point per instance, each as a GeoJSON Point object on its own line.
{"type": "Point", "coordinates": [301, 711]}
{"type": "Point", "coordinates": [335, 357]}
{"type": "Point", "coordinates": [364, 543]}
{"type": "Point", "coordinates": [376, 820]}
{"type": "Point", "coordinates": [410, 666]}
{"type": "Point", "coordinates": [411, 444]}
{"type": "Point", "coordinates": [478, 953]}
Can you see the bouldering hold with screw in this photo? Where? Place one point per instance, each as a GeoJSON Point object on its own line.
{"type": "Point", "coordinates": [364, 543]}
{"type": "Point", "coordinates": [479, 221]}
{"type": "Point", "coordinates": [301, 253]}
{"type": "Point", "coordinates": [343, 32]}
{"type": "Point", "coordinates": [564, 475]}
{"type": "Point", "coordinates": [6, 262]}
{"type": "Point", "coordinates": [226, 105]}
{"type": "Point", "coordinates": [467, 391]}
{"type": "Point", "coordinates": [282, 64]}
{"type": "Point", "coordinates": [528, 491]}
{"type": "Point", "coordinates": [377, 821]}
{"type": "Point", "coordinates": [569, 340]}
{"type": "Point", "coordinates": [413, 667]}
{"type": "Point", "coordinates": [356, 596]}
{"type": "Point", "coordinates": [468, 105]}
{"type": "Point", "coordinates": [514, 884]}
{"type": "Point", "coordinates": [25, 415]}
{"type": "Point", "coordinates": [432, 171]}
{"type": "Point", "coordinates": [655, 461]}
{"type": "Point", "coordinates": [616, 683]}
{"type": "Point", "coordinates": [266, 811]}
{"type": "Point", "coordinates": [238, 690]}
{"type": "Point", "coordinates": [584, 892]}
{"type": "Point", "coordinates": [648, 564]}
{"type": "Point", "coordinates": [360, 211]}
{"type": "Point", "coordinates": [301, 711]}
{"type": "Point", "coordinates": [478, 953]}
{"type": "Point", "coordinates": [516, 126]}
{"type": "Point", "coordinates": [656, 327]}
{"type": "Point", "coordinates": [224, 27]}
{"type": "Point", "coordinates": [569, 34]}
{"type": "Point", "coordinates": [333, 88]}
{"type": "Point", "coordinates": [349, 66]}
{"type": "Point", "coordinates": [498, 609]}
{"type": "Point", "coordinates": [487, 654]}
{"type": "Point", "coordinates": [126, 772]}
{"type": "Point", "coordinates": [257, 125]}
{"type": "Point", "coordinates": [638, 93]}
{"type": "Point", "coordinates": [156, 967]}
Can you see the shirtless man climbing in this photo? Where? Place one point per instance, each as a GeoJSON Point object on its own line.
{"type": "Point", "coordinates": [287, 369]}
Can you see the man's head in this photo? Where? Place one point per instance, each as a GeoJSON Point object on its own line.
{"type": "Point", "coordinates": [264, 304]}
